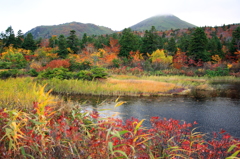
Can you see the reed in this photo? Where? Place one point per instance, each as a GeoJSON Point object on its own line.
{"type": "Point", "coordinates": [111, 87]}
{"type": "Point", "coordinates": [17, 93]}
{"type": "Point", "coordinates": [185, 81]}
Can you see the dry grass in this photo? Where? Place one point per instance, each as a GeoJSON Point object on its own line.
{"type": "Point", "coordinates": [143, 86]}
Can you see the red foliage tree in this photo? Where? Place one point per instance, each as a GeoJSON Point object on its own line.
{"type": "Point", "coordinates": [56, 64]}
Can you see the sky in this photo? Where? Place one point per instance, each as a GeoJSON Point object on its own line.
{"type": "Point", "coordinates": [115, 14]}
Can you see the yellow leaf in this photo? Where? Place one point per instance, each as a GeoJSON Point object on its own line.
{"type": "Point", "coordinates": [119, 103]}
{"type": "Point", "coordinates": [138, 126]}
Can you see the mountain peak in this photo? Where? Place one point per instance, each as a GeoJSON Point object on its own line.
{"type": "Point", "coordinates": [162, 22]}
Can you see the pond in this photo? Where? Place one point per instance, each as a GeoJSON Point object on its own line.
{"type": "Point", "coordinates": [212, 113]}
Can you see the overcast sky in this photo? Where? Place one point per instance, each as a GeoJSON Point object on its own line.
{"type": "Point", "coordinates": [115, 14]}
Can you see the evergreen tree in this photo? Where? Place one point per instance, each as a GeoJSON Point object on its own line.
{"type": "Point", "coordinates": [150, 41]}
{"type": "Point", "coordinates": [198, 46]}
{"type": "Point", "coordinates": [231, 47]}
{"type": "Point", "coordinates": [172, 48]}
{"type": "Point", "coordinates": [128, 42]}
{"type": "Point", "coordinates": [215, 46]}
{"type": "Point", "coordinates": [8, 38]}
{"type": "Point", "coordinates": [73, 41]}
{"type": "Point", "coordinates": [100, 41]}
{"type": "Point", "coordinates": [84, 41]}
{"type": "Point", "coordinates": [183, 42]}
{"type": "Point", "coordinates": [19, 39]}
{"type": "Point", "coordinates": [29, 43]}
{"type": "Point", "coordinates": [236, 36]}
{"type": "Point", "coordinates": [38, 42]}
{"type": "Point", "coordinates": [62, 47]}
{"type": "Point", "coordinates": [53, 41]}
{"type": "Point", "coordinates": [160, 42]}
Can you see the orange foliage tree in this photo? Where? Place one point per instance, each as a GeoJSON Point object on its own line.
{"type": "Point", "coordinates": [101, 57]}
{"type": "Point", "coordinates": [55, 64]}
{"type": "Point", "coordinates": [180, 59]}
{"type": "Point", "coordinates": [136, 58]}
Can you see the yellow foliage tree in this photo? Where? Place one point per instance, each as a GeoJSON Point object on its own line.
{"type": "Point", "coordinates": [216, 59]}
{"type": "Point", "coordinates": [160, 57]}
{"type": "Point", "coordinates": [45, 53]}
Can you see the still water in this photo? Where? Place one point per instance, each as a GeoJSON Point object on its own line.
{"type": "Point", "coordinates": [211, 113]}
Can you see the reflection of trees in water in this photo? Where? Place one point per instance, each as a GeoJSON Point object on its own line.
{"type": "Point", "coordinates": [212, 113]}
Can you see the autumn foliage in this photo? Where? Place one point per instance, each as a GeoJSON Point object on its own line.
{"type": "Point", "coordinates": [54, 64]}
{"type": "Point", "coordinates": [45, 132]}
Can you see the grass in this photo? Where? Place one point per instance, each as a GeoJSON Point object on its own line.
{"type": "Point", "coordinates": [16, 92]}
{"type": "Point", "coordinates": [112, 87]}
{"type": "Point", "coordinates": [185, 81]}
{"type": "Point", "coordinates": [14, 89]}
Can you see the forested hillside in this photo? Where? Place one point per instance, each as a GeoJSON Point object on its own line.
{"type": "Point", "coordinates": [80, 28]}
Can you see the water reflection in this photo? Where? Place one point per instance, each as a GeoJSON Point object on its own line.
{"type": "Point", "coordinates": [211, 114]}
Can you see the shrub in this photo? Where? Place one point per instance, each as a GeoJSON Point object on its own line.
{"type": "Point", "coordinates": [56, 64]}
{"type": "Point", "coordinates": [15, 56]}
{"type": "Point", "coordinates": [116, 63]}
{"type": "Point", "coordinates": [84, 75]}
{"type": "Point", "coordinates": [5, 65]}
{"type": "Point", "coordinates": [32, 72]}
{"type": "Point", "coordinates": [59, 73]}
{"type": "Point", "coordinates": [10, 73]}
{"type": "Point", "coordinates": [98, 72]}
{"type": "Point", "coordinates": [218, 72]}
{"type": "Point", "coordinates": [77, 66]}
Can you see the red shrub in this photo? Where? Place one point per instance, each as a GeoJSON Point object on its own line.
{"type": "Point", "coordinates": [56, 64]}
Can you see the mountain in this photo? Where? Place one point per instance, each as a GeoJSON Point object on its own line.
{"type": "Point", "coordinates": [162, 22]}
{"type": "Point", "coordinates": [80, 28]}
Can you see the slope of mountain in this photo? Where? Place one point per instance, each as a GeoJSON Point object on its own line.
{"type": "Point", "coordinates": [80, 28]}
{"type": "Point", "coordinates": [162, 22]}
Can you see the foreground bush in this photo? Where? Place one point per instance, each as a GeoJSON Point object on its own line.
{"type": "Point", "coordinates": [64, 73]}
{"type": "Point", "coordinates": [49, 132]}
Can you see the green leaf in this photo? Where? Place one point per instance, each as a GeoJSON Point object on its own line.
{"type": "Point", "coordinates": [110, 146]}
{"type": "Point", "coordinates": [235, 153]}
{"type": "Point", "coordinates": [116, 134]}
{"type": "Point", "coordinates": [23, 152]}
{"type": "Point", "coordinates": [121, 152]}
{"type": "Point", "coordinates": [118, 145]}
{"type": "Point", "coordinates": [231, 148]}
{"type": "Point", "coordinates": [123, 132]}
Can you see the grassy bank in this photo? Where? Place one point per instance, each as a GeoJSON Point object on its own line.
{"type": "Point", "coordinates": [111, 86]}
{"type": "Point", "coordinates": [14, 89]}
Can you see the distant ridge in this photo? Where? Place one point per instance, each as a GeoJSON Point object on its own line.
{"type": "Point", "coordinates": [80, 28]}
{"type": "Point", "coordinates": [162, 22]}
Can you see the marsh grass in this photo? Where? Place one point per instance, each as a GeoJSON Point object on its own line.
{"type": "Point", "coordinates": [18, 93]}
{"type": "Point", "coordinates": [185, 81]}
{"type": "Point", "coordinates": [112, 86]}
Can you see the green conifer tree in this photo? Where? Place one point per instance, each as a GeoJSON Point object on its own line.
{"type": "Point", "coordinates": [198, 46]}
{"type": "Point", "coordinates": [19, 39]}
{"type": "Point", "coordinates": [150, 41]}
{"type": "Point", "coordinates": [29, 43]}
{"type": "Point", "coordinates": [62, 47]}
{"type": "Point", "coordinates": [73, 41]}
{"type": "Point", "coordinates": [128, 42]}
{"type": "Point", "coordinates": [171, 47]}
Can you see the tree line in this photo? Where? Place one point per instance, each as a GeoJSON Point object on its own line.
{"type": "Point", "coordinates": [196, 45]}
